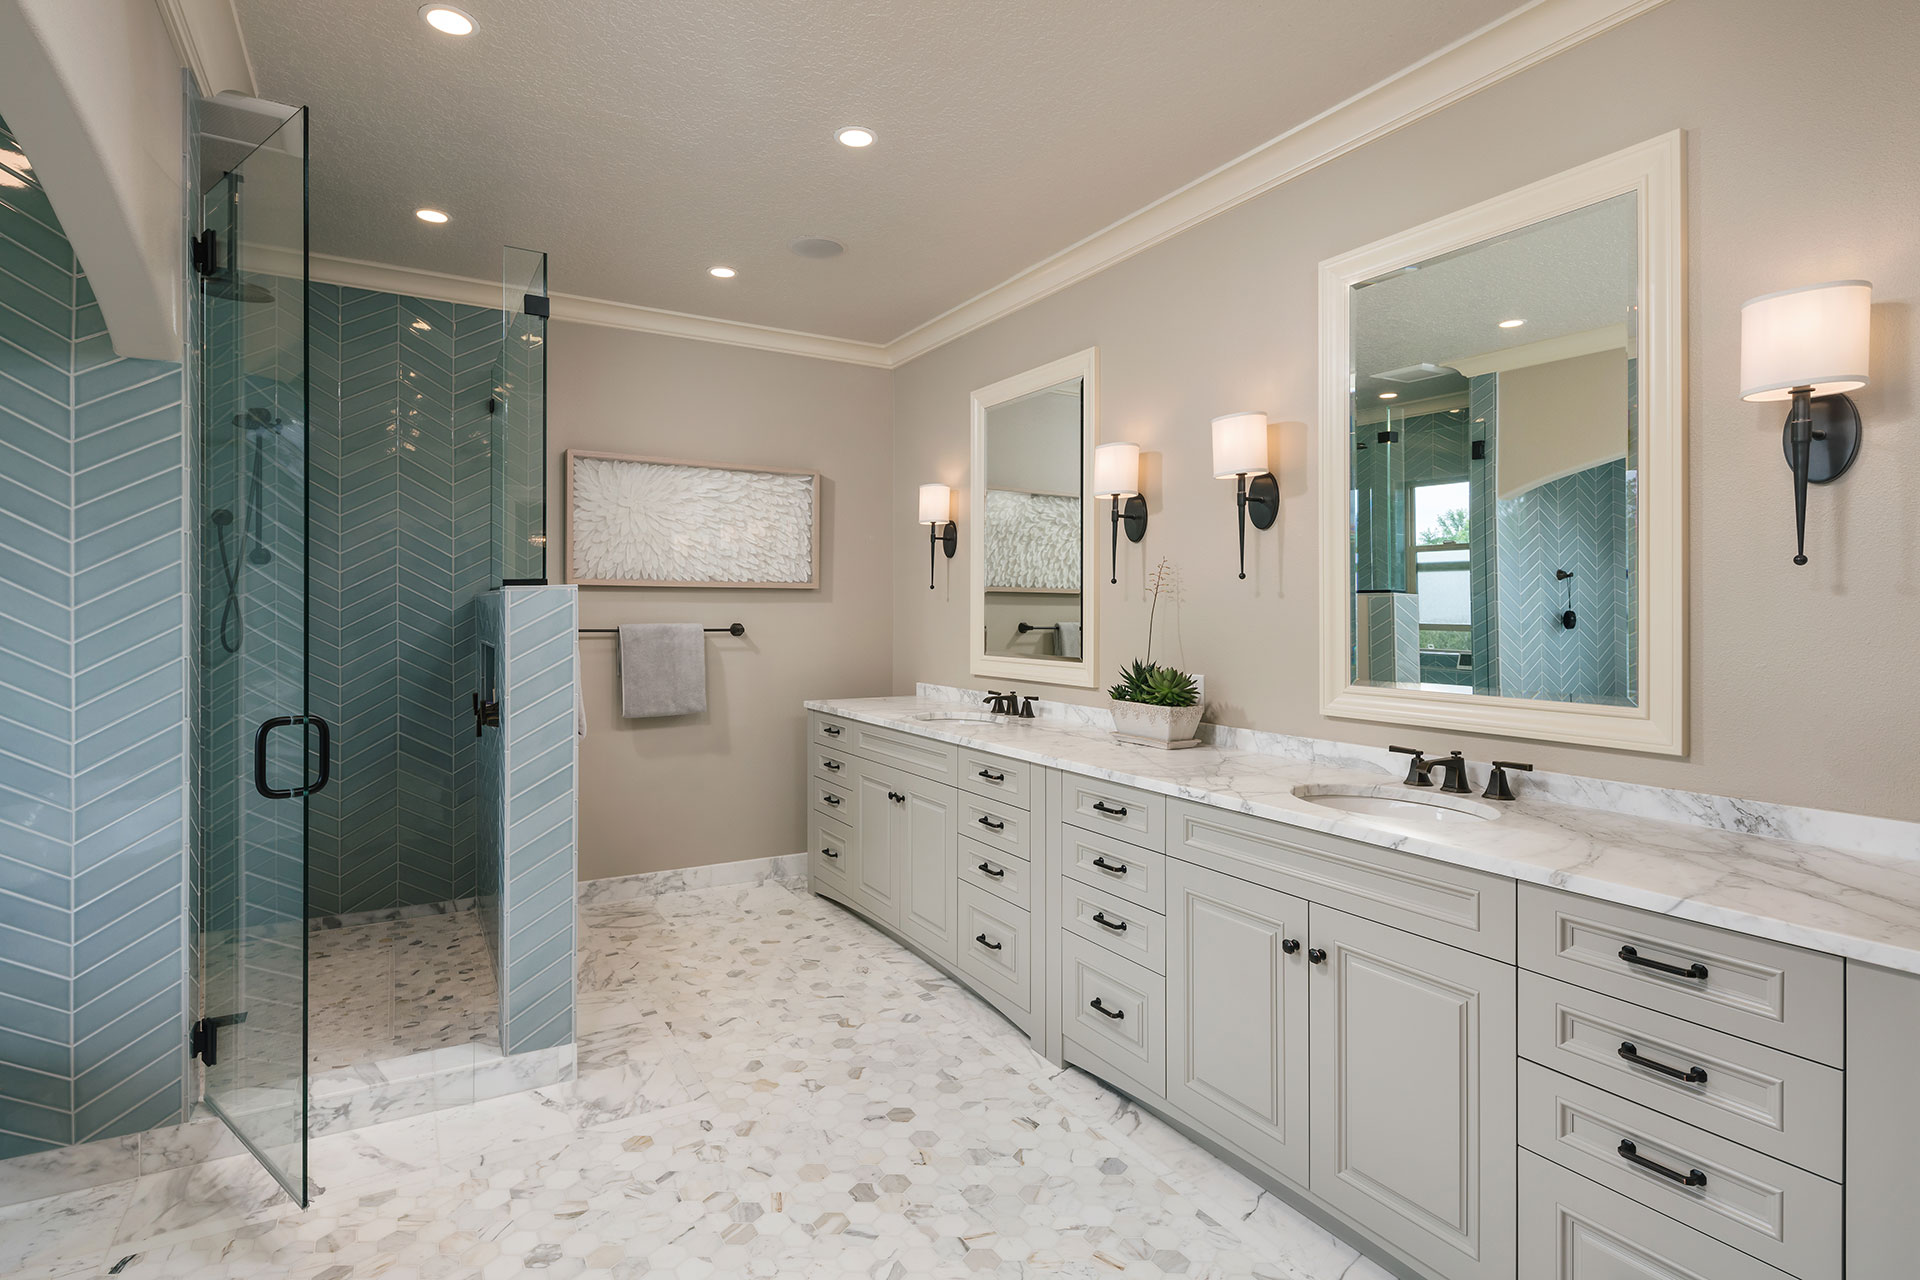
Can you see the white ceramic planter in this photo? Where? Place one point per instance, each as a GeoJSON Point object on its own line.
{"type": "Point", "coordinates": [1160, 725]}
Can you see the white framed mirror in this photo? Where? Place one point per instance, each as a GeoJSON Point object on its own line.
{"type": "Point", "coordinates": [1502, 464]}
{"type": "Point", "coordinates": [1031, 527]}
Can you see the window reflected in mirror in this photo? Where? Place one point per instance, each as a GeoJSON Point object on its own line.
{"type": "Point", "coordinates": [1494, 472]}
{"type": "Point", "coordinates": [1032, 525]}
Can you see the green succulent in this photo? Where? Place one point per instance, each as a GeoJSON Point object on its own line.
{"type": "Point", "coordinates": [1154, 686]}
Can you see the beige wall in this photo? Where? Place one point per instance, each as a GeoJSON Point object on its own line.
{"type": "Point", "coordinates": [1804, 681]}
{"type": "Point", "coordinates": [657, 794]}
{"type": "Point", "coordinates": [1559, 418]}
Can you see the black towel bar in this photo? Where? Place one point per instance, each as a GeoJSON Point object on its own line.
{"type": "Point", "coordinates": [737, 629]}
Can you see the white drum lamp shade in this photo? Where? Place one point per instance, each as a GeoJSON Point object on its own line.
{"type": "Point", "coordinates": [936, 503]}
{"type": "Point", "coordinates": [1239, 445]}
{"type": "Point", "coordinates": [1814, 336]}
{"type": "Point", "coordinates": [1116, 470]}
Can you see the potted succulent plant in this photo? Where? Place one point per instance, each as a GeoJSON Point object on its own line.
{"type": "Point", "coordinates": [1156, 704]}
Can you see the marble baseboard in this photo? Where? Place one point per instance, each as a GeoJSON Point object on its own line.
{"type": "Point", "coordinates": [385, 915]}
{"type": "Point", "coordinates": [1857, 833]}
{"type": "Point", "coordinates": [788, 868]}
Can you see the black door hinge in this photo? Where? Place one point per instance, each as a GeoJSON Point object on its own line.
{"type": "Point", "coordinates": [536, 304]}
{"type": "Point", "coordinates": [205, 1041]}
{"type": "Point", "coordinates": [206, 252]}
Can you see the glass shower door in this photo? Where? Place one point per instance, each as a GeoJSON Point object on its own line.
{"type": "Point", "coordinates": [261, 753]}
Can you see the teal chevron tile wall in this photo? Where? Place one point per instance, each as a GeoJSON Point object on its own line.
{"type": "Point", "coordinates": [402, 496]}
{"type": "Point", "coordinates": [93, 705]}
{"type": "Point", "coordinates": [538, 800]}
{"type": "Point", "coordinates": [1573, 523]}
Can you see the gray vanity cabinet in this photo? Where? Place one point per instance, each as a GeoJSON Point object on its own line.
{"type": "Point", "coordinates": [875, 880]}
{"type": "Point", "coordinates": [1237, 982]}
{"type": "Point", "coordinates": [1413, 1093]}
{"type": "Point", "coordinates": [903, 837]}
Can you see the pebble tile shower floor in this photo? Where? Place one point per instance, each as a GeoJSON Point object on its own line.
{"type": "Point", "coordinates": [385, 990]}
{"type": "Point", "coordinates": [767, 1087]}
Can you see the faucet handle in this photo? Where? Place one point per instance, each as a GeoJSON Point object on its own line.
{"type": "Point", "coordinates": [1026, 707]}
{"type": "Point", "coordinates": [1497, 788]}
{"type": "Point", "coordinates": [1417, 768]}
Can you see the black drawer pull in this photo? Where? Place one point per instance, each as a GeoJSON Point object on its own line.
{"type": "Point", "coordinates": [830, 798]}
{"type": "Point", "coordinates": [991, 825]}
{"type": "Point", "coordinates": [1692, 1075]}
{"type": "Point", "coordinates": [991, 776]}
{"type": "Point", "coordinates": [987, 868]}
{"type": "Point", "coordinates": [831, 730]}
{"type": "Point", "coordinates": [1696, 971]}
{"type": "Point", "coordinates": [1101, 806]}
{"type": "Point", "coordinates": [1691, 1178]}
{"type": "Point", "coordinates": [1113, 868]}
{"type": "Point", "coordinates": [1317, 955]}
{"type": "Point", "coordinates": [1289, 945]}
{"type": "Point", "coordinates": [1103, 1011]}
{"type": "Point", "coordinates": [982, 940]}
{"type": "Point", "coordinates": [829, 853]}
{"type": "Point", "coordinates": [1100, 918]}
{"type": "Point", "coordinates": [831, 764]}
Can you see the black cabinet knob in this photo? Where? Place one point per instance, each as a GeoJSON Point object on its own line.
{"type": "Point", "coordinates": [1317, 955]}
{"type": "Point", "coordinates": [1289, 945]}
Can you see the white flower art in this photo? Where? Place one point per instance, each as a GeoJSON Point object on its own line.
{"type": "Point", "coordinates": [1033, 541]}
{"type": "Point", "coordinates": [661, 522]}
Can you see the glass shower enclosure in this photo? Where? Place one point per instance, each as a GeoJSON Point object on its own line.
{"type": "Point", "coordinates": [260, 753]}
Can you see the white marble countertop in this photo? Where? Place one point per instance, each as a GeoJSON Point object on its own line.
{"type": "Point", "coordinates": [1863, 906]}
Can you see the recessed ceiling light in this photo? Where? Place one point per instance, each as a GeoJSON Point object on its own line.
{"type": "Point", "coordinates": [447, 20]}
{"type": "Point", "coordinates": [854, 136]}
{"type": "Point", "coordinates": [721, 273]}
{"type": "Point", "coordinates": [430, 215]}
{"type": "Point", "coordinates": [1511, 324]}
{"type": "Point", "coordinates": [1389, 395]}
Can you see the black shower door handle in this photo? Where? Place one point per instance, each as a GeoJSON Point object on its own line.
{"type": "Point", "coordinates": [260, 735]}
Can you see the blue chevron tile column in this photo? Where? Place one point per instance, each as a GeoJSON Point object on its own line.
{"type": "Point", "coordinates": [537, 816]}
{"type": "Point", "coordinates": [93, 705]}
{"type": "Point", "coordinates": [1572, 523]}
{"type": "Point", "coordinates": [402, 521]}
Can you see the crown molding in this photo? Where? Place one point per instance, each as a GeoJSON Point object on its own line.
{"type": "Point", "coordinates": [1503, 48]}
{"type": "Point", "coordinates": [415, 283]}
{"type": "Point", "coordinates": [206, 34]}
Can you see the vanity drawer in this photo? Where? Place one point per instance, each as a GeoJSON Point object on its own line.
{"type": "Point", "coordinates": [996, 825]}
{"type": "Point", "coordinates": [996, 953]}
{"type": "Point", "coordinates": [830, 764]}
{"type": "Point", "coordinates": [1122, 869]}
{"type": "Point", "coordinates": [926, 757]}
{"type": "Point", "coordinates": [1136, 816]}
{"type": "Point", "coordinates": [834, 799]}
{"type": "Point", "coordinates": [1116, 924]}
{"type": "Point", "coordinates": [1455, 905]}
{"type": "Point", "coordinates": [1771, 1101]}
{"type": "Point", "coordinates": [1748, 987]}
{"type": "Point", "coordinates": [1573, 1229]}
{"type": "Point", "coordinates": [829, 848]}
{"type": "Point", "coordinates": [1115, 1009]}
{"type": "Point", "coordinates": [998, 874]}
{"type": "Point", "coordinates": [1008, 781]}
{"type": "Point", "coordinates": [831, 731]}
{"type": "Point", "coordinates": [1778, 1213]}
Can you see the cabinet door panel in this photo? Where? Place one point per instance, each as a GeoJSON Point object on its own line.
{"type": "Point", "coordinates": [1237, 1013]}
{"type": "Point", "coordinates": [925, 847]}
{"type": "Point", "coordinates": [1413, 1093]}
{"type": "Point", "coordinates": [876, 879]}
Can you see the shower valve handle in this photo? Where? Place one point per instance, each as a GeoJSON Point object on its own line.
{"type": "Point", "coordinates": [486, 715]}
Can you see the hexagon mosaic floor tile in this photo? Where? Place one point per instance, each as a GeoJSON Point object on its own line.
{"type": "Point", "coordinates": [767, 1087]}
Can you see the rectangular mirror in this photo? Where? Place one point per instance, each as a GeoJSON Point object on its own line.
{"type": "Point", "coordinates": [1503, 457]}
{"type": "Point", "coordinates": [1031, 525]}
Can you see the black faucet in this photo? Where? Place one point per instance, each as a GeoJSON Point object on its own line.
{"type": "Point", "coordinates": [1003, 704]}
{"type": "Point", "coordinates": [1420, 767]}
{"type": "Point", "coordinates": [1497, 788]}
{"type": "Point", "coordinates": [1026, 707]}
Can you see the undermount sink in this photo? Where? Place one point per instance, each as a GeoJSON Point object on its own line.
{"type": "Point", "coordinates": [1399, 808]}
{"type": "Point", "coordinates": [977, 717]}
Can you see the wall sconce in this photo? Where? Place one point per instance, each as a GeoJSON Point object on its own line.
{"type": "Point", "coordinates": [1809, 345]}
{"type": "Point", "coordinates": [1116, 475]}
{"type": "Point", "coordinates": [936, 509]}
{"type": "Point", "coordinates": [1240, 450]}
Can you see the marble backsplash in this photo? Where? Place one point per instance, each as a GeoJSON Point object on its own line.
{"type": "Point", "coordinates": [1859, 833]}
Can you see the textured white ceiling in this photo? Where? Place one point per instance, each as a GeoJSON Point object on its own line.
{"type": "Point", "coordinates": [640, 143]}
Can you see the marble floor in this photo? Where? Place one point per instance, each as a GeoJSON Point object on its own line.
{"type": "Point", "coordinates": [386, 990]}
{"type": "Point", "coordinates": [766, 1087]}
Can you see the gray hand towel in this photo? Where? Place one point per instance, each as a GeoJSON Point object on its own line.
{"type": "Point", "coordinates": [663, 670]}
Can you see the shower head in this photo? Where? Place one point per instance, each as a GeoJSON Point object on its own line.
{"type": "Point", "coordinates": [231, 290]}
